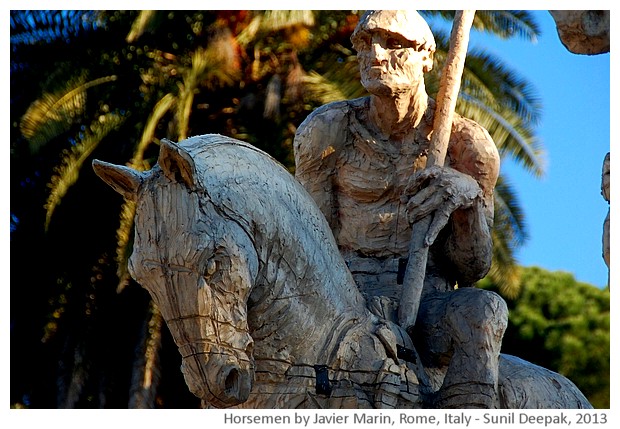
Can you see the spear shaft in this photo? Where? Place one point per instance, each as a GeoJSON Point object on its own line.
{"type": "Point", "coordinates": [449, 86]}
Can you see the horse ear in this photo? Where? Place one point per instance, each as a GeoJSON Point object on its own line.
{"type": "Point", "coordinates": [176, 163]}
{"type": "Point", "coordinates": [123, 180]}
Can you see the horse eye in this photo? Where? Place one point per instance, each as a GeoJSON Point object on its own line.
{"type": "Point", "coordinates": [211, 267]}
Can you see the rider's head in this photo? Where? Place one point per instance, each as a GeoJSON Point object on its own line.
{"type": "Point", "coordinates": [405, 23]}
{"type": "Point", "coordinates": [395, 47]}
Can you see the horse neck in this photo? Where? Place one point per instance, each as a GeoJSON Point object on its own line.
{"type": "Point", "coordinates": [305, 297]}
{"type": "Point", "coordinates": [304, 292]}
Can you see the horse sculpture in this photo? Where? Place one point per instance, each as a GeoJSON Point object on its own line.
{"type": "Point", "coordinates": [259, 301]}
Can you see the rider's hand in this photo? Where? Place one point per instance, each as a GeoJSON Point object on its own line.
{"type": "Point", "coordinates": [439, 191]}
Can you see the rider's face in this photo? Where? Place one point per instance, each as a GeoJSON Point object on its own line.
{"type": "Point", "coordinates": [389, 63]}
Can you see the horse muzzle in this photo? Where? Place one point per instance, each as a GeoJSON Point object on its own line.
{"type": "Point", "coordinates": [223, 379]}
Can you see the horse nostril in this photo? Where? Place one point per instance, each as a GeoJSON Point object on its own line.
{"type": "Point", "coordinates": [231, 383]}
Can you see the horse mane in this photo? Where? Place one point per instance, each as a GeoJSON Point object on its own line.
{"type": "Point", "coordinates": [251, 188]}
{"type": "Point", "coordinates": [229, 168]}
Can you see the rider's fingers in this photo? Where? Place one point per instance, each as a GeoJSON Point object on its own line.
{"type": "Point", "coordinates": [440, 220]}
{"type": "Point", "coordinates": [424, 195]}
{"type": "Point", "coordinates": [423, 203]}
{"type": "Point", "coordinates": [419, 179]}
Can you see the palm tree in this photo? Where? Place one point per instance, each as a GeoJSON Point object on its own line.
{"type": "Point", "coordinates": [121, 81]}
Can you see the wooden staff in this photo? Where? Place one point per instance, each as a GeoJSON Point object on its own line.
{"type": "Point", "coordinates": [450, 83]}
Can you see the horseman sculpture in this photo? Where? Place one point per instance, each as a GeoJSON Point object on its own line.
{"type": "Point", "coordinates": [280, 295]}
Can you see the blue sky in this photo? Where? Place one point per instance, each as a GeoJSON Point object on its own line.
{"type": "Point", "coordinates": [564, 209]}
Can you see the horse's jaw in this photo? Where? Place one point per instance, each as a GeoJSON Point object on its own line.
{"type": "Point", "coordinates": [220, 379]}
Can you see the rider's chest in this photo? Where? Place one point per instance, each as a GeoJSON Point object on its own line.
{"type": "Point", "coordinates": [369, 170]}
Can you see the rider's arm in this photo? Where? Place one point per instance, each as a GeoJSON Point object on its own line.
{"type": "Point", "coordinates": [469, 245]}
{"type": "Point", "coordinates": [317, 144]}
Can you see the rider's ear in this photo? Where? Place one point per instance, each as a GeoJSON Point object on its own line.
{"type": "Point", "coordinates": [176, 163]}
{"type": "Point", "coordinates": [427, 62]}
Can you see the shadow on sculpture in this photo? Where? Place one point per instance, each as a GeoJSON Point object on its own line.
{"type": "Point", "coordinates": [264, 310]}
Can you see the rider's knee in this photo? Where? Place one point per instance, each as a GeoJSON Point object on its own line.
{"type": "Point", "coordinates": [485, 308]}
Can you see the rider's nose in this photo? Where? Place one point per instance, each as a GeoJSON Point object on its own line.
{"type": "Point", "coordinates": [377, 53]}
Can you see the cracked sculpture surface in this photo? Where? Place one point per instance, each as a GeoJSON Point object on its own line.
{"type": "Point", "coordinates": [285, 292]}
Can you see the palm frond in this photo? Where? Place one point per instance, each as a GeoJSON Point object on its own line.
{"type": "Point", "coordinates": [184, 106]}
{"type": "Point", "coordinates": [148, 134]}
{"type": "Point", "coordinates": [141, 24]}
{"type": "Point", "coordinates": [66, 174]}
{"type": "Point", "coordinates": [274, 20]}
{"type": "Point", "coordinates": [337, 82]}
{"type": "Point", "coordinates": [509, 232]}
{"type": "Point", "coordinates": [512, 136]}
{"type": "Point", "coordinates": [505, 271]}
{"type": "Point", "coordinates": [509, 215]}
{"type": "Point", "coordinates": [248, 34]}
{"type": "Point", "coordinates": [501, 86]}
{"type": "Point", "coordinates": [146, 373]}
{"type": "Point", "coordinates": [320, 88]}
{"type": "Point", "coordinates": [501, 23]}
{"type": "Point", "coordinates": [508, 23]}
{"type": "Point", "coordinates": [124, 235]}
{"type": "Point", "coordinates": [54, 113]}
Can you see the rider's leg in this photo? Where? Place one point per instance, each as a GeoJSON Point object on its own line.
{"type": "Point", "coordinates": [461, 332]}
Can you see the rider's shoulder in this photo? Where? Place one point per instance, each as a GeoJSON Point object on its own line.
{"type": "Point", "coordinates": [334, 113]}
{"type": "Point", "coordinates": [470, 131]}
{"type": "Point", "coordinates": [473, 151]}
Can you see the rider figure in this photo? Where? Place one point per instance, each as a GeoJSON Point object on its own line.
{"type": "Point", "coordinates": [363, 161]}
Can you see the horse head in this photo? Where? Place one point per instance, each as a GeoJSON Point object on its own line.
{"type": "Point", "coordinates": [198, 266]}
{"type": "Point", "coordinates": [198, 257]}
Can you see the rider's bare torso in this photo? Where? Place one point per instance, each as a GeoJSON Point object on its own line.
{"type": "Point", "coordinates": [367, 176]}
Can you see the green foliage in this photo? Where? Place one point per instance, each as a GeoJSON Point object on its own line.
{"type": "Point", "coordinates": [562, 324]}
